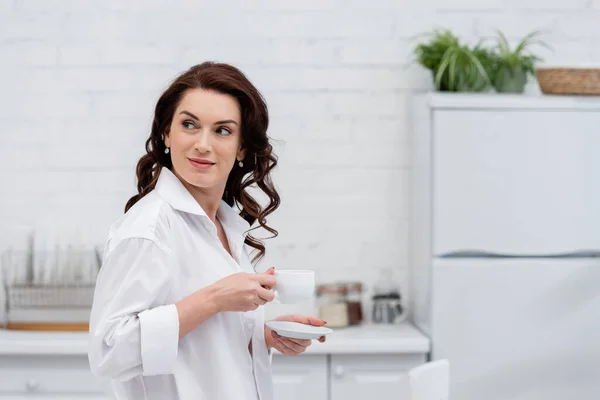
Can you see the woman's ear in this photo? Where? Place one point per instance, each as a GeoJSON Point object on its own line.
{"type": "Point", "coordinates": [167, 139]}
{"type": "Point", "coordinates": [241, 154]}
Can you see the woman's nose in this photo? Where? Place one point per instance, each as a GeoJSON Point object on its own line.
{"type": "Point", "coordinates": [202, 143]}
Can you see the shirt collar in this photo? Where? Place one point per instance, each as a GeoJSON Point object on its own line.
{"type": "Point", "coordinates": [170, 188]}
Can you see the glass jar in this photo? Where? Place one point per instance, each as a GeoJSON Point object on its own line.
{"type": "Point", "coordinates": [354, 299]}
{"type": "Point", "coordinates": [333, 305]}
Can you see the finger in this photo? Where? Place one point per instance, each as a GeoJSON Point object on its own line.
{"type": "Point", "coordinates": [265, 294]}
{"type": "Point", "coordinates": [279, 344]}
{"type": "Point", "coordinates": [286, 351]}
{"type": "Point", "coordinates": [295, 347]}
{"type": "Point", "coordinates": [292, 348]}
{"type": "Point", "coordinates": [307, 319]}
{"type": "Point", "coordinates": [265, 280]}
{"type": "Point", "coordinates": [301, 342]}
{"type": "Point", "coordinates": [270, 271]}
{"type": "Point", "coordinates": [259, 301]}
{"type": "Point", "coordinates": [322, 339]}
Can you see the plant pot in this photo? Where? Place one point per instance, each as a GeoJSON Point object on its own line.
{"type": "Point", "coordinates": [511, 80]}
{"type": "Point", "coordinates": [461, 85]}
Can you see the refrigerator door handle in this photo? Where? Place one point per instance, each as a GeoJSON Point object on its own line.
{"type": "Point", "coordinates": [487, 254]}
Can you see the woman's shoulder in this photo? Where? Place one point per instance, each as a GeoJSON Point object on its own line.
{"type": "Point", "coordinates": [146, 219]}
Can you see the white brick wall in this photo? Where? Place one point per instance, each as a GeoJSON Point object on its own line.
{"type": "Point", "coordinates": [79, 80]}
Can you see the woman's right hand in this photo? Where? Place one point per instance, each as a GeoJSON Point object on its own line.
{"type": "Point", "coordinates": [243, 291]}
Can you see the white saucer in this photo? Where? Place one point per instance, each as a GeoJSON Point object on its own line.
{"type": "Point", "coordinates": [296, 330]}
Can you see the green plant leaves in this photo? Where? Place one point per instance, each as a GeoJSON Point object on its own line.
{"type": "Point", "coordinates": [459, 67]}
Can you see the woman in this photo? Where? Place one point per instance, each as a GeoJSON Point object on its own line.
{"type": "Point", "coordinates": [176, 311]}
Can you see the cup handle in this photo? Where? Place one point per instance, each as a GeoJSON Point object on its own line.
{"type": "Point", "coordinates": [277, 299]}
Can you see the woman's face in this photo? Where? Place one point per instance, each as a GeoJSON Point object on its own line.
{"type": "Point", "coordinates": [205, 139]}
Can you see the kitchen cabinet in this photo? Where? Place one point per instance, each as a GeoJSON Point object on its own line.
{"type": "Point", "coordinates": [301, 377]}
{"type": "Point", "coordinates": [44, 376]}
{"type": "Point", "coordinates": [356, 377]}
{"type": "Point", "coordinates": [354, 363]}
{"type": "Point", "coordinates": [314, 377]}
{"type": "Point", "coordinates": [344, 376]}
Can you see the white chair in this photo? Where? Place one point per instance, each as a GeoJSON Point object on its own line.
{"type": "Point", "coordinates": [430, 381]}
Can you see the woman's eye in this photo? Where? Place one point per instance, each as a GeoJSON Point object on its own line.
{"type": "Point", "coordinates": [188, 125]}
{"type": "Point", "coordinates": [223, 131]}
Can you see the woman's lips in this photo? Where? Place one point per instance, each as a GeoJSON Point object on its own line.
{"type": "Point", "coordinates": [201, 163]}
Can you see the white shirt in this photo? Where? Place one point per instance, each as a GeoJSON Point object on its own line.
{"type": "Point", "coordinates": [162, 250]}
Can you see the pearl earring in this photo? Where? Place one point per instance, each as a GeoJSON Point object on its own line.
{"type": "Point", "coordinates": [241, 163]}
{"type": "Point", "coordinates": [167, 150]}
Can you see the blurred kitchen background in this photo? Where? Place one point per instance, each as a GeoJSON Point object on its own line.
{"type": "Point", "coordinates": [463, 226]}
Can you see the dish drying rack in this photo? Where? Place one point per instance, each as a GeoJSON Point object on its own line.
{"type": "Point", "coordinates": [48, 291]}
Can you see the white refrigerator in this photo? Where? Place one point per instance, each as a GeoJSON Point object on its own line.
{"type": "Point", "coordinates": [505, 252]}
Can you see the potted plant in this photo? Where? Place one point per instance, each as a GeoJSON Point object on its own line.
{"type": "Point", "coordinates": [513, 66]}
{"type": "Point", "coordinates": [455, 67]}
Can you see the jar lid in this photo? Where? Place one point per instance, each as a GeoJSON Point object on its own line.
{"type": "Point", "coordinates": [355, 286]}
{"type": "Point", "coordinates": [331, 288]}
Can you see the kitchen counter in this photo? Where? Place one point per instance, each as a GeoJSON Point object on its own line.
{"type": "Point", "coordinates": [366, 339]}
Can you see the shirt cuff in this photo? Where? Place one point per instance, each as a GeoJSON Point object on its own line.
{"type": "Point", "coordinates": [159, 329]}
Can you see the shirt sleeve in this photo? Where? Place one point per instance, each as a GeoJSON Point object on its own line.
{"type": "Point", "coordinates": [132, 331]}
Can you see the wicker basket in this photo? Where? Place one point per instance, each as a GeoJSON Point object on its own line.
{"type": "Point", "coordinates": [570, 81]}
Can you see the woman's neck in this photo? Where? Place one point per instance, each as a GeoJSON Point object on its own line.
{"type": "Point", "coordinates": [209, 203]}
{"type": "Point", "coordinates": [208, 199]}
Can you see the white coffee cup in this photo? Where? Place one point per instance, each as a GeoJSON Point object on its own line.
{"type": "Point", "coordinates": [294, 286]}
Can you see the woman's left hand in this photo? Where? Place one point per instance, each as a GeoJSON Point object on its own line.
{"type": "Point", "coordinates": [289, 346]}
